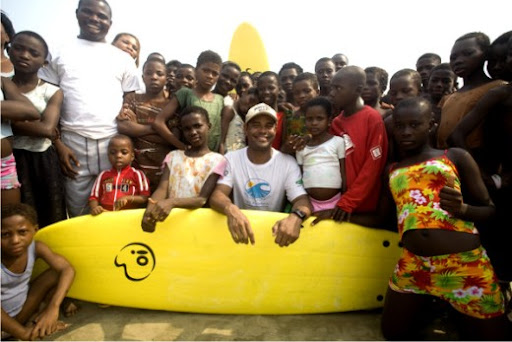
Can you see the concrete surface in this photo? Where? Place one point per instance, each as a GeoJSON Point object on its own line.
{"type": "Point", "coordinates": [93, 323]}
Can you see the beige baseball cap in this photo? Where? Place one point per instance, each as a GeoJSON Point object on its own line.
{"type": "Point", "coordinates": [260, 109]}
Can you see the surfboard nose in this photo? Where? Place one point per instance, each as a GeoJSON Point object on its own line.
{"type": "Point", "coordinates": [247, 49]}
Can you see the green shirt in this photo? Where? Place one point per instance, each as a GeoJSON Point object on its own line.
{"type": "Point", "coordinates": [187, 97]}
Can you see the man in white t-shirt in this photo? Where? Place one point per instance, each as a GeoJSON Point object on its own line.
{"type": "Point", "coordinates": [94, 76]}
{"type": "Point", "coordinates": [261, 178]}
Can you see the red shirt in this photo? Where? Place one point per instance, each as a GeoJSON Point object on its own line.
{"type": "Point", "coordinates": [365, 158]}
{"type": "Point", "coordinates": [279, 131]}
{"type": "Point", "coordinates": [112, 184]}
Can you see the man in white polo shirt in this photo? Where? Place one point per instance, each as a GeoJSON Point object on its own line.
{"type": "Point", "coordinates": [94, 76]}
{"type": "Point", "coordinates": [261, 178]}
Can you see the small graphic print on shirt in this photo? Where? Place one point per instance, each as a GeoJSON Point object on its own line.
{"type": "Point", "coordinates": [376, 152]}
{"type": "Point", "coordinates": [257, 188]}
{"type": "Point", "coordinates": [349, 144]}
{"type": "Point", "coordinates": [109, 187]}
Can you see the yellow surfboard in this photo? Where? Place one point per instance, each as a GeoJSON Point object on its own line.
{"type": "Point", "coordinates": [247, 49]}
{"type": "Point", "coordinates": [191, 264]}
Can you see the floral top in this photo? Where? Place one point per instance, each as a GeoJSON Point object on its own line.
{"type": "Point", "coordinates": [415, 189]}
{"type": "Point", "coordinates": [187, 174]}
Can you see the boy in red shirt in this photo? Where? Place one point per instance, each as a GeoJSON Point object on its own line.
{"type": "Point", "coordinates": [366, 144]}
{"type": "Point", "coordinates": [121, 187]}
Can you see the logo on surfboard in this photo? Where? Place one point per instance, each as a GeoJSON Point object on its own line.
{"type": "Point", "coordinates": [137, 259]}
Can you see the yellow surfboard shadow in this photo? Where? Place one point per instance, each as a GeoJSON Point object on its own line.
{"type": "Point", "coordinates": [247, 49]}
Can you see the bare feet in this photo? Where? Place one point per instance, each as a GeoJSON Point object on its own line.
{"type": "Point", "coordinates": [68, 307]}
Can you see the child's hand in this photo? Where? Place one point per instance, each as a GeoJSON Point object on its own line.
{"type": "Point", "coordinates": [126, 114]}
{"type": "Point", "coordinates": [161, 209]}
{"type": "Point", "coordinates": [298, 142]}
{"type": "Point", "coordinates": [121, 203]}
{"type": "Point", "coordinates": [148, 223]}
{"type": "Point", "coordinates": [46, 323]}
{"type": "Point", "coordinates": [322, 215]}
{"type": "Point", "coordinates": [97, 210]}
{"type": "Point", "coordinates": [451, 201]}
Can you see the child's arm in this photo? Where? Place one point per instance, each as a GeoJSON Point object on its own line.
{"type": "Point", "coordinates": [475, 205]}
{"type": "Point", "coordinates": [370, 172]}
{"type": "Point", "coordinates": [138, 200]}
{"type": "Point", "coordinates": [16, 106]}
{"type": "Point", "coordinates": [46, 127]}
{"type": "Point", "coordinates": [96, 208]}
{"type": "Point", "coordinates": [385, 215]}
{"type": "Point", "coordinates": [482, 108]}
{"type": "Point", "coordinates": [46, 321]}
{"type": "Point", "coordinates": [160, 123]}
{"type": "Point", "coordinates": [163, 207]}
{"type": "Point", "coordinates": [127, 124]}
{"type": "Point", "coordinates": [226, 116]}
{"type": "Point", "coordinates": [149, 218]}
{"type": "Point", "coordinates": [343, 175]}
{"type": "Point", "coordinates": [94, 198]}
{"type": "Point", "coordinates": [15, 328]}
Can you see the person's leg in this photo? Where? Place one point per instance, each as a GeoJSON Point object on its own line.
{"type": "Point", "coordinates": [401, 314]}
{"type": "Point", "coordinates": [49, 187]}
{"type": "Point", "coordinates": [39, 288]}
{"type": "Point", "coordinates": [10, 186]}
{"type": "Point", "coordinates": [491, 329]}
{"type": "Point", "coordinates": [93, 158]}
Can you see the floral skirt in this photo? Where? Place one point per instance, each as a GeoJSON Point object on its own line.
{"type": "Point", "coordinates": [466, 280]}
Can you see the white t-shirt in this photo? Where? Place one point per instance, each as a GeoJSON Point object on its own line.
{"type": "Point", "coordinates": [93, 77]}
{"type": "Point", "coordinates": [39, 97]}
{"type": "Point", "coordinates": [321, 164]}
{"type": "Point", "coordinates": [262, 186]}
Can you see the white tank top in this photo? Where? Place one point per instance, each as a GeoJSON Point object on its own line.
{"type": "Point", "coordinates": [15, 285]}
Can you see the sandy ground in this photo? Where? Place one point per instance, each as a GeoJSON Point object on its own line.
{"type": "Point", "coordinates": [93, 323]}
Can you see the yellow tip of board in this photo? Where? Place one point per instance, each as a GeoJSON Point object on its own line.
{"type": "Point", "coordinates": [247, 49]}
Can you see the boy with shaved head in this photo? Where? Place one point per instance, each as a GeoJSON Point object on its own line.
{"type": "Point", "coordinates": [366, 144]}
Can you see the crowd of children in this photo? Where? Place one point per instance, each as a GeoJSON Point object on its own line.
{"type": "Point", "coordinates": [434, 154]}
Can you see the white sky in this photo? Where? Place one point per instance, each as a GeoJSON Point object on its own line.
{"type": "Point", "coordinates": [391, 34]}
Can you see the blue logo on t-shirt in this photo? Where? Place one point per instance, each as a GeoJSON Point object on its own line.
{"type": "Point", "coordinates": [257, 188]}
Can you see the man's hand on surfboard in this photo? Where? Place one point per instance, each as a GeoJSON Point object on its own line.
{"type": "Point", "coordinates": [239, 225]}
{"type": "Point", "coordinates": [287, 230]}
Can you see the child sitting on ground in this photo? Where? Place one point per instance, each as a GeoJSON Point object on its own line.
{"type": "Point", "coordinates": [189, 176]}
{"type": "Point", "coordinates": [21, 297]}
{"type": "Point", "coordinates": [121, 187]}
{"type": "Point", "coordinates": [322, 161]}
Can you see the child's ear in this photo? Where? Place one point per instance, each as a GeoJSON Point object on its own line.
{"type": "Point", "coordinates": [36, 227]}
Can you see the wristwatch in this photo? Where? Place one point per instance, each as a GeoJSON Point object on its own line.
{"type": "Point", "coordinates": [302, 215]}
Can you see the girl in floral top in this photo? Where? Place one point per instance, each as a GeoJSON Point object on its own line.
{"type": "Point", "coordinates": [438, 196]}
{"type": "Point", "coordinates": [189, 177]}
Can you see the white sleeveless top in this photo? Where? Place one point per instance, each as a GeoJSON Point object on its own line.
{"type": "Point", "coordinates": [15, 285]}
{"type": "Point", "coordinates": [39, 97]}
{"type": "Point", "coordinates": [6, 130]}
